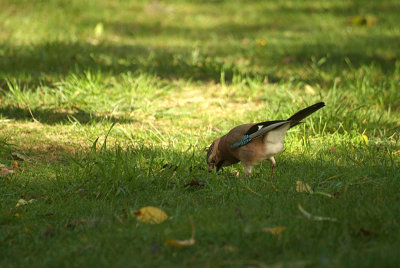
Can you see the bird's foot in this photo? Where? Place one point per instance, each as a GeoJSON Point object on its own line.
{"type": "Point", "coordinates": [272, 172]}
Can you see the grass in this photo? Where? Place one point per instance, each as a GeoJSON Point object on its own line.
{"type": "Point", "coordinates": [113, 102]}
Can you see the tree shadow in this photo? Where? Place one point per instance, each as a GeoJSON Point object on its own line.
{"type": "Point", "coordinates": [52, 117]}
{"type": "Point", "coordinates": [47, 63]}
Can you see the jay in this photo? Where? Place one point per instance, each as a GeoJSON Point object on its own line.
{"type": "Point", "coordinates": [252, 143]}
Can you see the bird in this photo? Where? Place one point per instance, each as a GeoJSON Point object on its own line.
{"type": "Point", "coordinates": [254, 142]}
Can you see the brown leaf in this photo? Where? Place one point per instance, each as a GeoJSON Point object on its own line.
{"type": "Point", "coordinates": [50, 231]}
{"type": "Point", "coordinates": [277, 230]}
{"type": "Point", "coordinates": [73, 223]}
{"type": "Point", "coordinates": [194, 183]}
{"type": "Point", "coordinates": [50, 213]}
{"type": "Point", "coordinates": [288, 60]}
{"type": "Point", "coordinates": [229, 248]}
{"type": "Point", "coordinates": [15, 165]}
{"type": "Point", "coordinates": [6, 171]}
{"type": "Point", "coordinates": [238, 213]}
{"type": "Point", "coordinates": [364, 231]}
{"type": "Point", "coordinates": [82, 191]}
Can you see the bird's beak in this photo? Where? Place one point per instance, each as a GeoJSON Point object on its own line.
{"type": "Point", "coordinates": [210, 168]}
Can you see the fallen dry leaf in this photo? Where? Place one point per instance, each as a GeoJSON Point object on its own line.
{"type": "Point", "coordinates": [19, 156]}
{"type": "Point", "coordinates": [261, 42]}
{"type": "Point", "coordinates": [312, 217]}
{"type": "Point", "coordinates": [277, 230]}
{"type": "Point", "coordinates": [75, 222]}
{"type": "Point", "coordinates": [366, 20]}
{"type": "Point", "coordinates": [15, 165]}
{"type": "Point", "coordinates": [182, 243]}
{"type": "Point", "coordinates": [23, 202]}
{"type": "Point", "coordinates": [309, 90]}
{"type": "Point", "coordinates": [195, 183]}
{"type": "Point", "coordinates": [6, 171]}
{"type": "Point", "coordinates": [288, 60]}
{"type": "Point", "coordinates": [364, 138]}
{"type": "Point", "coordinates": [364, 231]}
{"type": "Point", "coordinates": [151, 215]}
{"type": "Point", "coordinates": [229, 248]}
{"type": "Point", "coordinates": [82, 191]}
{"type": "Point", "coordinates": [303, 187]}
{"type": "Point", "coordinates": [238, 213]}
{"type": "Point", "coordinates": [50, 231]}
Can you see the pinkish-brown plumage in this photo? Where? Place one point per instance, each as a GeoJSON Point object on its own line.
{"type": "Point", "coordinates": [266, 141]}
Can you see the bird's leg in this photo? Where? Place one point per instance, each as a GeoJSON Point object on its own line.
{"type": "Point", "coordinates": [247, 168]}
{"type": "Point", "coordinates": [273, 164]}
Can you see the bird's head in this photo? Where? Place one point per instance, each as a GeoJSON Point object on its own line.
{"type": "Point", "coordinates": [213, 156]}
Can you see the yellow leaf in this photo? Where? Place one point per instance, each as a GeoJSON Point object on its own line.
{"type": "Point", "coordinates": [362, 139]}
{"type": "Point", "coordinates": [98, 30]}
{"type": "Point", "coordinates": [303, 187]}
{"type": "Point", "coordinates": [261, 42]}
{"type": "Point", "coordinates": [277, 230]}
{"type": "Point", "coordinates": [16, 215]}
{"type": "Point", "coordinates": [151, 215]}
{"type": "Point", "coordinates": [365, 139]}
{"type": "Point", "coordinates": [182, 243]}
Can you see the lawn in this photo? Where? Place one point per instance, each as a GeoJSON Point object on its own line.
{"type": "Point", "coordinates": [108, 106]}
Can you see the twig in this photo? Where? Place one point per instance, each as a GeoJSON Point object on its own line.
{"type": "Point", "coordinates": [248, 188]}
{"type": "Point", "coordinates": [312, 217]}
{"type": "Point", "coordinates": [30, 111]}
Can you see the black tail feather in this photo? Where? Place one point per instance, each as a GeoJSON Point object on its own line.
{"type": "Point", "coordinates": [300, 115]}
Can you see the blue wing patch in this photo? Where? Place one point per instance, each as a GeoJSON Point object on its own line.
{"type": "Point", "coordinates": [245, 140]}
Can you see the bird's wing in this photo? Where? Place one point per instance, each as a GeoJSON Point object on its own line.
{"type": "Point", "coordinates": [264, 127]}
{"type": "Point", "coordinates": [258, 130]}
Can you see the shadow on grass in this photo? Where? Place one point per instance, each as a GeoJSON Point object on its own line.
{"type": "Point", "coordinates": [44, 64]}
{"type": "Point", "coordinates": [138, 170]}
{"type": "Point", "coordinates": [111, 188]}
{"type": "Point", "coordinates": [51, 117]}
